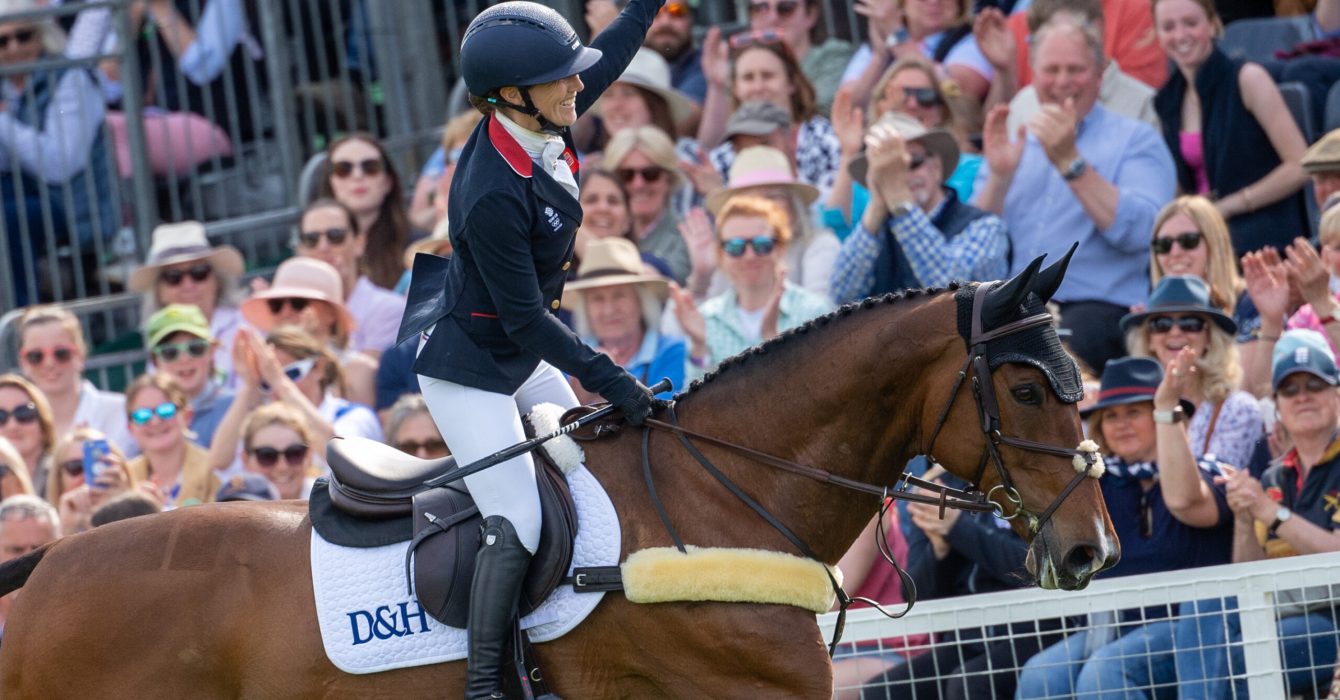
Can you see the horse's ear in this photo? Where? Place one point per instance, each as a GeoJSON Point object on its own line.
{"type": "Point", "coordinates": [1049, 280]}
{"type": "Point", "coordinates": [1001, 304]}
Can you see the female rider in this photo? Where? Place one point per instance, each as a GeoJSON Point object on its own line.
{"type": "Point", "coordinates": [489, 344]}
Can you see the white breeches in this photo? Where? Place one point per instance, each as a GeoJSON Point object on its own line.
{"type": "Point", "coordinates": [477, 423]}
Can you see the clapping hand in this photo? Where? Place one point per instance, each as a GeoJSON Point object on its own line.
{"type": "Point", "coordinates": [1268, 286]}
{"type": "Point", "coordinates": [701, 237]}
{"type": "Point", "coordinates": [848, 122]}
{"type": "Point", "coordinates": [1245, 496]}
{"type": "Point", "coordinates": [716, 58]}
{"type": "Point", "coordinates": [1313, 279]}
{"type": "Point", "coordinates": [883, 17]}
{"type": "Point", "coordinates": [995, 39]}
{"type": "Point", "coordinates": [773, 312]}
{"type": "Point", "coordinates": [1002, 155]}
{"type": "Point", "coordinates": [599, 14]}
{"type": "Point", "coordinates": [690, 319]}
{"type": "Point", "coordinates": [1055, 128]}
{"type": "Point", "coordinates": [1178, 379]}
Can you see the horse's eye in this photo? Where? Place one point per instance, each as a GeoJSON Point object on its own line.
{"type": "Point", "coordinates": [1027, 394]}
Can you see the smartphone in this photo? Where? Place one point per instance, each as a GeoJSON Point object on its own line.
{"type": "Point", "coordinates": [94, 452]}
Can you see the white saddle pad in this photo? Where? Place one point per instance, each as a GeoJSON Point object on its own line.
{"type": "Point", "coordinates": [370, 623]}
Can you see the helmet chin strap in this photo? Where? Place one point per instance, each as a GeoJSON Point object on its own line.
{"type": "Point", "coordinates": [528, 109]}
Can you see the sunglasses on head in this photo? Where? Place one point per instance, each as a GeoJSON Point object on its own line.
{"type": "Point", "coordinates": [924, 96]}
{"type": "Point", "coordinates": [784, 9]}
{"type": "Point", "coordinates": [1312, 385]}
{"type": "Point", "coordinates": [430, 447]}
{"type": "Point", "coordinates": [648, 174]}
{"type": "Point", "coordinates": [269, 456]}
{"type": "Point", "coordinates": [754, 37]}
{"type": "Point", "coordinates": [762, 245]}
{"type": "Point", "coordinates": [677, 10]}
{"type": "Point", "coordinates": [311, 239]}
{"type": "Point", "coordinates": [24, 414]}
{"type": "Point", "coordinates": [74, 467]}
{"type": "Point", "coordinates": [198, 272]}
{"type": "Point", "coordinates": [372, 167]}
{"type": "Point", "coordinates": [277, 305]}
{"type": "Point", "coordinates": [1188, 324]}
{"type": "Point", "coordinates": [165, 411]}
{"type": "Point", "coordinates": [35, 356]}
{"type": "Point", "coordinates": [21, 37]}
{"type": "Point", "coordinates": [1190, 240]}
{"type": "Point", "coordinates": [170, 352]}
{"type": "Point", "coordinates": [295, 371]}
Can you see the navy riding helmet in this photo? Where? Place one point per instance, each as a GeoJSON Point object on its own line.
{"type": "Point", "coordinates": [520, 44]}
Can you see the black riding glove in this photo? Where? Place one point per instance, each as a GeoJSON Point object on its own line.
{"type": "Point", "coordinates": [634, 400]}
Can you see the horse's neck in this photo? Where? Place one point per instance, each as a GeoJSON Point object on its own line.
{"type": "Point", "coordinates": [843, 401]}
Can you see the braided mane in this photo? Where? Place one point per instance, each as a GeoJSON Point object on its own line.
{"type": "Point", "coordinates": [786, 337]}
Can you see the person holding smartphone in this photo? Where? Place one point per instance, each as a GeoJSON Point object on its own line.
{"type": "Point", "coordinates": [490, 343]}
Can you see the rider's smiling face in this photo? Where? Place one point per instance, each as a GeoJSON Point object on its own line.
{"type": "Point", "coordinates": [556, 100]}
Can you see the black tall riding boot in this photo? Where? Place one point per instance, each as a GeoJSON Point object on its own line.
{"type": "Point", "coordinates": [500, 569]}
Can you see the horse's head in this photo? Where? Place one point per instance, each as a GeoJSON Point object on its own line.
{"type": "Point", "coordinates": [1009, 425]}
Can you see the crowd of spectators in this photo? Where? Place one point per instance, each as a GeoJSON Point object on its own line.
{"type": "Point", "coordinates": [733, 190]}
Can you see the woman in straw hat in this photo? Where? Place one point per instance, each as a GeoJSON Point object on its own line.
{"type": "Point", "coordinates": [490, 345]}
{"type": "Point", "coordinates": [616, 308]}
{"type": "Point", "coordinates": [753, 233]}
{"type": "Point", "coordinates": [308, 293]}
{"type": "Point", "coordinates": [766, 172]}
{"type": "Point", "coordinates": [183, 268]}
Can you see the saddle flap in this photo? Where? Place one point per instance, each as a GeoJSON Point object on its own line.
{"type": "Point", "coordinates": [446, 545]}
{"type": "Point", "coordinates": [374, 468]}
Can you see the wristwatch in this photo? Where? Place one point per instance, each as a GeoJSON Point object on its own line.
{"type": "Point", "coordinates": [1169, 416]}
{"type": "Point", "coordinates": [1281, 516]}
{"type": "Point", "coordinates": [1074, 169]}
{"type": "Point", "coordinates": [897, 37]}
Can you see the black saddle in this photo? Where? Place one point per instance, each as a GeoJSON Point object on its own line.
{"type": "Point", "coordinates": [375, 496]}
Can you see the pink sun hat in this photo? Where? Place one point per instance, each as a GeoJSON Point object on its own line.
{"type": "Point", "coordinates": [761, 166]}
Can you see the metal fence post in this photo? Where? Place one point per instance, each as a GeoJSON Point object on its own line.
{"type": "Point", "coordinates": [1261, 643]}
{"type": "Point", "coordinates": [143, 207]}
{"type": "Point", "coordinates": [282, 101]}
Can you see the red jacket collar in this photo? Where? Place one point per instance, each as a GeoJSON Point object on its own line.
{"type": "Point", "coordinates": [509, 149]}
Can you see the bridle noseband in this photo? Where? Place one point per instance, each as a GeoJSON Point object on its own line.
{"type": "Point", "coordinates": [1085, 458]}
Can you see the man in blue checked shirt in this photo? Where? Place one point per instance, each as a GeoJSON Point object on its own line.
{"type": "Point", "coordinates": [915, 231]}
{"type": "Point", "coordinates": [1078, 172]}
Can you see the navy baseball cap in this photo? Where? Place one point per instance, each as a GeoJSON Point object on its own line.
{"type": "Point", "coordinates": [1302, 350]}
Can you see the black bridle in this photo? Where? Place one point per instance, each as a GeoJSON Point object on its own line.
{"type": "Point", "coordinates": [1085, 458]}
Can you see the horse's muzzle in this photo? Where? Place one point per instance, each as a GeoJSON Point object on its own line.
{"type": "Point", "coordinates": [1069, 566]}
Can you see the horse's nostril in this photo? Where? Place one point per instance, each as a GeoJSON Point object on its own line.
{"type": "Point", "coordinates": [1080, 560]}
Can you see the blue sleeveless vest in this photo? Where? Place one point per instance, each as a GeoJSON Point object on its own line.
{"type": "Point", "coordinates": [892, 271]}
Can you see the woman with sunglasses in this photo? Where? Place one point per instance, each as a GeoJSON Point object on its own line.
{"type": "Point", "coordinates": [766, 71]}
{"type": "Point", "coordinates": [490, 344]}
{"type": "Point", "coordinates": [607, 213]}
{"type": "Point", "coordinates": [171, 468]}
{"type": "Point", "coordinates": [796, 22]}
{"type": "Point", "coordinates": [1170, 513]}
{"type": "Point", "coordinates": [754, 233]}
{"type": "Point", "coordinates": [277, 444]}
{"type": "Point", "coordinates": [182, 267]}
{"type": "Point", "coordinates": [361, 176]}
{"type": "Point", "coordinates": [1229, 130]}
{"type": "Point", "coordinates": [180, 344]}
{"type": "Point", "coordinates": [25, 420]}
{"type": "Point", "coordinates": [1191, 238]}
{"type": "Point", "coordinates": [1289, 511]}
{"type": "Point", "coordinates": [66, 487]}
{"type": "Point", "coordinates": [1180, 315]}
{"type": "Point", "coordinates": [410, 429]}
{"type": "Point", "coordinates": [328, 231]}
{"type": "Point", "coordinates": [644, 160]}
{"type": "Point", "coordinates": [308, 293]}
{"type": "Point", "coordinates": [51, 355]}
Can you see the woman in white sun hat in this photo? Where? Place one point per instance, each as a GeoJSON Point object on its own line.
{"type": "Point", "coordinates": [183, 268]}
{"type": "Point", "coordinates": [616, 303]}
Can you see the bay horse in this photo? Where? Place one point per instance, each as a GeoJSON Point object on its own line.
{"type": "Point", "coordinates": [216, 601]}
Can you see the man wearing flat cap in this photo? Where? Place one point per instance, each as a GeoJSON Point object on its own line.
{"type": "Point", "coordinates": [915, 231]}
{"type": "Point", "coordinates": [1322, 162]}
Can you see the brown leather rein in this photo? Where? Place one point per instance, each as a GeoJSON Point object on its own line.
{"type": "Point", "coordinates": [971, 499]}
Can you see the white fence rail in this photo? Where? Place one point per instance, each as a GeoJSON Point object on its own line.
{"type": "Point", "coordinates": [1254, 585]}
